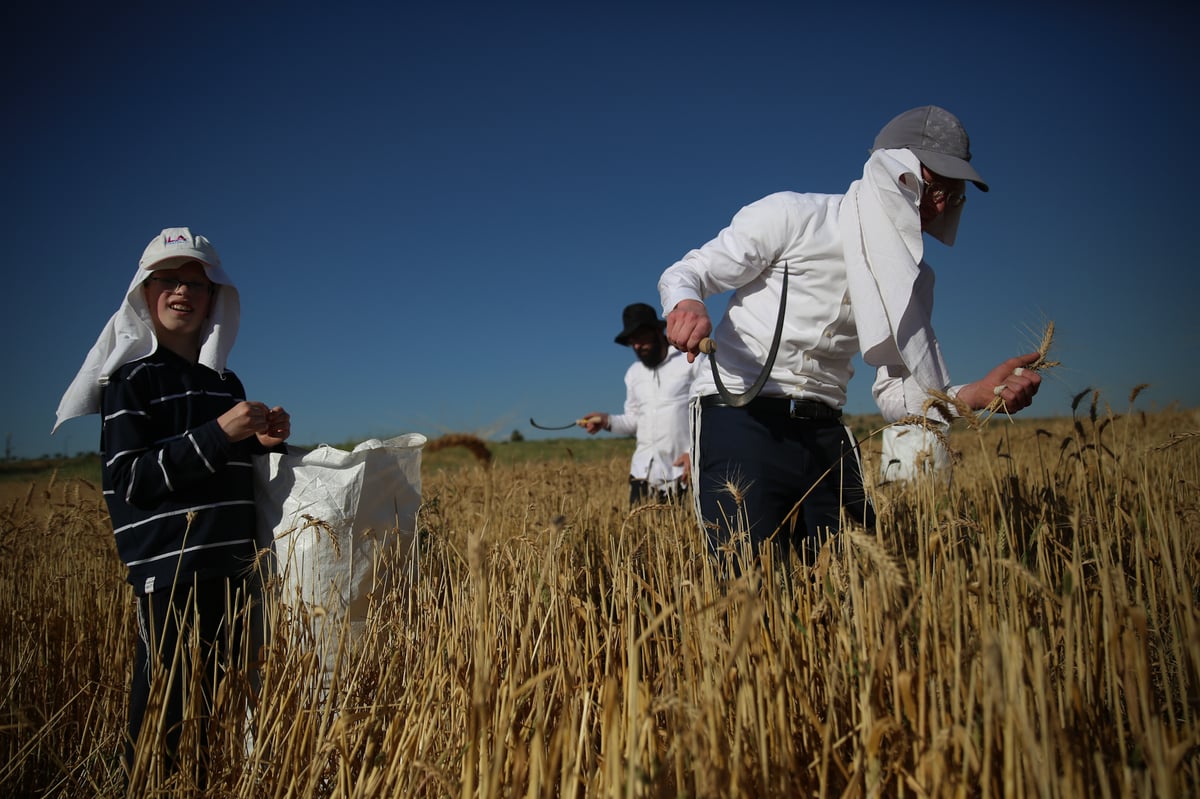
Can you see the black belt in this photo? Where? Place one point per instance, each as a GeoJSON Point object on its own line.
{"type": "Point", "coordinates": [779, 406]}
{"type": "Point", "coordinates": [671, 486]}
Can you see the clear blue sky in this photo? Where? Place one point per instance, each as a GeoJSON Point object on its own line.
{"type": "Point", "coordinates": [436, 213]}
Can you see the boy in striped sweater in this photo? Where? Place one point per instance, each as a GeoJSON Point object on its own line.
{"type": "Point", "coordinates": [176, 442]}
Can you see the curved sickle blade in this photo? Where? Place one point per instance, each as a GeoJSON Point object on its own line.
{"type": "Point", "coordinates": [739, 400]}
{"type": "Point", "coordinates": [558, 427]}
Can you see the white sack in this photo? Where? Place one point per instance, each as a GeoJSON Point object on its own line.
{"type": "Point", "coordinates": [365, 501]}
{"type": "Point", "coordinates": [909, 451]}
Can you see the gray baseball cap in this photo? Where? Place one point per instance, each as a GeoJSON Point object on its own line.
{"type": "Point", "coordinates": [936, 137]}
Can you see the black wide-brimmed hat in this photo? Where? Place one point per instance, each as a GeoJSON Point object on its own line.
{"type": "Point", "coordinates": [635, 317]}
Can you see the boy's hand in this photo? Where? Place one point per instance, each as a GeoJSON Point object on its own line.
{"type": "Point", "coordinates": [279, 427]}
{"type": "Point", "coordinates": [271, 425]}
{"type": "Point", "coordinates": [244, 420]}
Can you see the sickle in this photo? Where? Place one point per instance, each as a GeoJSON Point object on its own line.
{"type": "Point", "coordinates": [709, 347]}
{"type": "Point", "coordinates": [576, 423]}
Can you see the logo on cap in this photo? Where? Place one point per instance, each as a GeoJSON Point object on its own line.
{"type": "Point", "coordinates": [180, 239]}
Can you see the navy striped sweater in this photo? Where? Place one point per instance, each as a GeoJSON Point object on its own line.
{"type": "Point", "coordinates": [180, 494]}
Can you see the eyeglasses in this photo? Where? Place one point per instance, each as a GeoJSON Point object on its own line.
{"type": "Point", "coordinates": [171, 285]}
{"type": "Point", "coordinates": [937, 192]}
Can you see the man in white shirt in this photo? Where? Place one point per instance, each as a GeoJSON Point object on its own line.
{"type": "Point", "coordinates": [657, 387]}
{"type": "Point", "coordinates": [783, 467]}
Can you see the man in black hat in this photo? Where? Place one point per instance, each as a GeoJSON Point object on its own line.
{"type": "Point", "coordinates": [657, 387]}
{"type": "Point", "coordinates": [783, 467]}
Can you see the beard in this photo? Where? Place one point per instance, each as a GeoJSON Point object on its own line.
{"type": "Point", "coordinates": [655, 355]}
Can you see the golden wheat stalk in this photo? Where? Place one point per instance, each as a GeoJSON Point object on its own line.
{"type": "Point", "coordinates": [1176, 439]}
{"type": "Point", "coordinates": [1043, 350]}
{"type": "Point", "coordinates": [1041, 364]}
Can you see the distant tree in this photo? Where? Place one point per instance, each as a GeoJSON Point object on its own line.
{"type": "Point", "coordinates": [516, 436]}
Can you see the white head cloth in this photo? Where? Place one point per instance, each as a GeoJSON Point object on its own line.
{"type": "Point", "coordinates": [129, 334]}
{"type": "Point", "coordinates": [889, 283]}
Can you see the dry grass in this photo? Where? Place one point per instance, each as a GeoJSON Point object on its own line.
{"type": "Point", "coordinates": [1031, 630]}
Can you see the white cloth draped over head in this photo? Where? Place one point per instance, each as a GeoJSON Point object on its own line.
{"type": "Point", "coordinates": [888, 280]}
{"type": "Point", "coordinates": [129, 334]}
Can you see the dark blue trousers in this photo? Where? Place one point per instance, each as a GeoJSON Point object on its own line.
{"type": "Point", "coordinates": [777, 479]}
{"type": "Point", "coordinates": [220, 613]}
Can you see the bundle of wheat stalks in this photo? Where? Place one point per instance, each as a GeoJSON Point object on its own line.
{"type": "Point", "coordinates": [1029, 631]}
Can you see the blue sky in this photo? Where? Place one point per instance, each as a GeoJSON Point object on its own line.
{"type": "Point", "coordinates": [436, 215]}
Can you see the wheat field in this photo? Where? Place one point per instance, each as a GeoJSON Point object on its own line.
{"type": "Point", "coordinates": [1031, 630]}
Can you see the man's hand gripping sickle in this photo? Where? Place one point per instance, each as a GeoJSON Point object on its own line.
{"type": "Point", "coordinates": [690, 334]}
{"type": "Point", "coordinates": [687, 325]}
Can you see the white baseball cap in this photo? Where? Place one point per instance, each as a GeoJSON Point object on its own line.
{"type": "Point", "coordinates": [176, 246]}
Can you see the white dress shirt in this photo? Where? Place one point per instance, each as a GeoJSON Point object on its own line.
{"type": "Point", "coordinates": [819, 337]}
{"type": "Point", "coordinates": [656, 411]}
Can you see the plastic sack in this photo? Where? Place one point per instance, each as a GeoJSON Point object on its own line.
{"type": "Point", "coordinates": [910, 451]}
{"type": "Point", "coordinates": [332, 512]}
